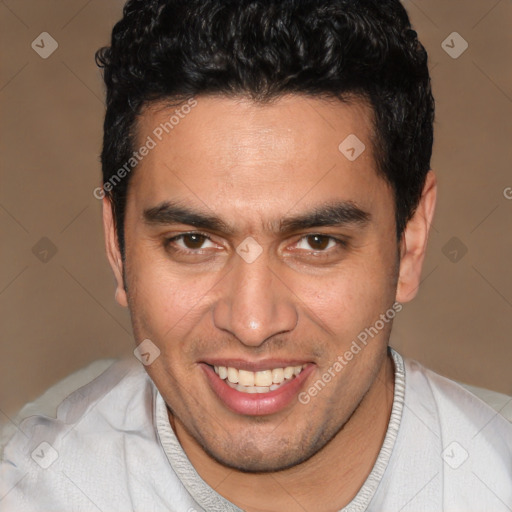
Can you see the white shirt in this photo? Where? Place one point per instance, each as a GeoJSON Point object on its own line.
{"type": "Point", "coordinates": [111, 448]}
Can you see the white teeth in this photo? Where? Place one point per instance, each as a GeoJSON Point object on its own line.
{"type": "Point", "coordinates": [289, 372]}
{"type": "Point", "coordinates": [245, 378]}
{"type": "Point", "coordinates": [263, 378]}
{"type": "Point", "coordinates": [257, 382]}
{"type": "Point", "coordinates": [277, 375]}
{"type": "Point", "coordinates": [232, 374]}
{"type": "Point", "coordinates": [254, 389]}
{"type": "Point", "coordinates": [251, 389]}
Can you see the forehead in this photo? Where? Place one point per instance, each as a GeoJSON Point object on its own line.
{"type": "Point", "coordinates": [233, 154]}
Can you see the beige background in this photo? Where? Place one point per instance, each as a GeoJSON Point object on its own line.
{"type": "Point", "coordinates": [58, 315]}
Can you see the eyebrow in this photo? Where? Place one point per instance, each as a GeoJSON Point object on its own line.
{"type": "Point", "coordinates": [335, 214]}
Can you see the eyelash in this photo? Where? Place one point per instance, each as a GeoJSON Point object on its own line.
{"type": "Point", "coordinates": [168, 241]}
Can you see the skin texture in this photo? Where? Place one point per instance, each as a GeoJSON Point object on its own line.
{"type": "Point", "coordinates": [302, 298]}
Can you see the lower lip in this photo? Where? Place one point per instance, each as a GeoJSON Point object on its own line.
{"type": "Point", "coordinates": [256, 404]}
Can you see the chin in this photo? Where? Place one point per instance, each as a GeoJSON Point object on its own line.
{"type": "Point", "coordinates": [248, 457]}
{"type": "Point", "coordinates": [259, 463]}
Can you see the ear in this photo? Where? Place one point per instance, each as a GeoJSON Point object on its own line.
{"type": "Point", "coordinates": [413, 244]}
{"type": "Point", "coordinates": [113, 252]}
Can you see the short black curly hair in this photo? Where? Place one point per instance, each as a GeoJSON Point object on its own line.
{"type": "Point", "coordinates": [178, 49]}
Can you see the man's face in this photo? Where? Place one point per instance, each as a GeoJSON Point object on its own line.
{"type": "Point", "coordinates": [283, 297]}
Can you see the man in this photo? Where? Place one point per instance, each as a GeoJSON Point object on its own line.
{"type": "Point", "coordinates": [267, 198]}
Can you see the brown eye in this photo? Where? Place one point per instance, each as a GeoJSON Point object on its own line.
{"type": "Point", "coordinates": [318, 242]}
{"type": "Point", "coordinates": [193, 240]}
{"type": "Point", "coordinates": [189, 243]}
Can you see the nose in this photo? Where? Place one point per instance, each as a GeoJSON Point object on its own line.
{"type": "Point", "coordinates": [254, 304]}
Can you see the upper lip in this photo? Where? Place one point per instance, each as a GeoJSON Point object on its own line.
{"type": "Point", "coordinates": [255, 366]}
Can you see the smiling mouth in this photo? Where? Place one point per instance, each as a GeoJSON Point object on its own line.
{"type": "Point", "coordinates": [262, 381]}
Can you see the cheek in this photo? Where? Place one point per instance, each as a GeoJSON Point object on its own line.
{"type": "Point", "coordinates": [347, 300]}
{"type": "Point", "coordinates": [164, 301]}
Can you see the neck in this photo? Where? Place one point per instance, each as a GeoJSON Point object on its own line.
{"type": "Point", "coordinates": [339, 469]}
